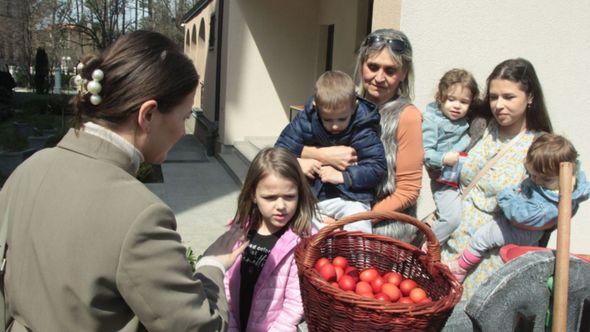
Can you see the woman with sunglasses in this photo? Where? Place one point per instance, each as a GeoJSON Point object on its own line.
{"type": "Point", "coordinates": [384, 75]}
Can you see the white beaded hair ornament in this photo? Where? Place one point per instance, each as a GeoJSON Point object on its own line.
{"type": "Point", "coordinates": [94, 86]}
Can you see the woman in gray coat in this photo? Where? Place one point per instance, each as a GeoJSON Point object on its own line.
{"type": "Point", "coordinates": [90, 248]}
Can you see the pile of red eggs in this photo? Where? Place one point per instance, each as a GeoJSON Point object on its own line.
{"type": "Point", "coordinates": [389, 287]}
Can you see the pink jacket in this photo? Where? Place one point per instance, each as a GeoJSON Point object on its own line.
{"type": "Point", "coordinates": [276, 302]}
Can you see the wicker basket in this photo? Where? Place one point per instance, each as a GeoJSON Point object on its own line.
{"type": "Point", "coordinates": [328, 308]}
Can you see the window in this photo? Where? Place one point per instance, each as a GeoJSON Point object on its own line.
{"type": "Point", "coordinates": [194, 35]}
{"type": "Point", "coordinates": [212, 32]}
{"type": "Point", "coordinates": [202, 31]}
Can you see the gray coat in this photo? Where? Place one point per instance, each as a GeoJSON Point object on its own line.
{"type": "Point", "coordinates": [90, 248]}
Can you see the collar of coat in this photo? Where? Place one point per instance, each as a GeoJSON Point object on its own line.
{"type": "Point", "coordinates": [97, 148]}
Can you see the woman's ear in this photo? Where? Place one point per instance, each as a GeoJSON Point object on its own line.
{"type": "Point", "coordinates": [145, 114]}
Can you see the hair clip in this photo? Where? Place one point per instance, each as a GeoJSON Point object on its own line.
{"type": "Point", "coordinates": [78, 80]}
{"type": "Point", "coordinates": [94, 87]}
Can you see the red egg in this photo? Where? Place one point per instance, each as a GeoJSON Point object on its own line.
{"type": "Point", "coordinates": [406, 286]}
{"type": "Point", "coordinates": [339, 272]}
{"type": "Point", "coordinates": [377, 283]}
{"type": "Point", "coordinates": [340, 261]}
{"type": "Point", "coordinates": [321, 262]}
{"type": "Point", "coordinates": [328, 272]}
{"type": "Point", "coordinates": [382, 297]}
{"type": "Point", "coordinates": [363, 287]}
{"type": "Point", "coordinates": [368, 275]}
{"type": "Point", "coordinates": [393, 278]}
{"type": "Point", "coordinates": [392, 291]}
{"type": "Point", "coordinates": [347, 283]}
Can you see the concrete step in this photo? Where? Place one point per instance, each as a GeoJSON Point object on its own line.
{"type": "Point", "coordinates": [237, 158]}
{"type": "Point", "coordinates": [234, 163]}
{"type": "Point", "coordinates": [262, 142]}
{"type": "Point", "coordinates": [246, 150]}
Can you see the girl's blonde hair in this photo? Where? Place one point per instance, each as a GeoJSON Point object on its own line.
{"type": "Point", "coordinates": [456, 76]}
{"type": "Point", "coordinates": [280, 162]}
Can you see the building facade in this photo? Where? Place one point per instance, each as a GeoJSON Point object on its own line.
{"type": "Point", "coordinates": [267, 55]}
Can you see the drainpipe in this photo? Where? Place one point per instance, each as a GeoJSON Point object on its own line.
{"type": "Point", "coordinates": [217, 77]}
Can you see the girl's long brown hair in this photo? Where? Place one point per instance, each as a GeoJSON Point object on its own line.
{"type": "Point", "coordinates": [281, 162]}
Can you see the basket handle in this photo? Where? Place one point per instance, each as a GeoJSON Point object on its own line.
{"type": "Point", "coordinates": [433, 254]}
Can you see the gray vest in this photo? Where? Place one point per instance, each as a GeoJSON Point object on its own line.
{"type": "Point", "coordinates": [390, 112]}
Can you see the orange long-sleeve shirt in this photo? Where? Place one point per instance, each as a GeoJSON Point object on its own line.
{"type": "Point", "coordinates": [409, 158]}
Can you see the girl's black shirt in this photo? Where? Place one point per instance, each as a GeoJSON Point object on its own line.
{"type": "Point", "coordinates": [253, 260]}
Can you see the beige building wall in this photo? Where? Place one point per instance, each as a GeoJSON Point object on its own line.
{"type": "Point", "coordinates": [196, 47]}
{"type": "Point", "coordinates": [272, 54]}
{"type": "Point", "coordinates": [477, 36]}
{"type": "Point", "coordinates": [350, 27]}
{"type": "Point", "coordinates": [270, 62]}
{"type": "Point", "coordinates": [386, 14]}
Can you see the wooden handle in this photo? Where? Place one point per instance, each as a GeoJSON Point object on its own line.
{"type": "Point", "coordinates": [433, 254]}
{"type": "Point", "coordinates": [562, 259]}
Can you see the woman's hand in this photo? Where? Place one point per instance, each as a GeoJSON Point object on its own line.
{"type": "Point", "coordinates": [221, 249]}
{"type": "Point", "coordinates": [329, 174]}
{"type": "Point", "coordinates": [310, 167]}
{"type": "Point", "coordinates": [338, 157]}
{"type": "Point", "coordinates": [450, 158]}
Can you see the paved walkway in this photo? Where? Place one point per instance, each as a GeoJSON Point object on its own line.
{"type": "Point", "coordinates": [200, 192]}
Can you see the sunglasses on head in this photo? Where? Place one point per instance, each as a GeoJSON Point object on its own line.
{"type": "Point", "coordinates": [396, 45]}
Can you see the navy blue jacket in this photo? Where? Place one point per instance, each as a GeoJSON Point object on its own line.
{"type": "Point", "coordinates": [362, 134]}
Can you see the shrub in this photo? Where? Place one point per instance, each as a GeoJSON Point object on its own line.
{"type": "Point", "coordinates": [41, 72]}
{"type": "Point", "coordinates": [10, 141]}
{"type": "Point", "coordinates": [22, 77]}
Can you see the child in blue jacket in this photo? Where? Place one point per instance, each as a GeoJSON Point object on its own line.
{"type": "Point", "coordinates": [445, 135]}
{"type": "Point", "coordinates": [530, 208]}
{"type": "Point", "coordinates": [336, 116]}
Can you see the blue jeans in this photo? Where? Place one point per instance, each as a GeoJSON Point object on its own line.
{"type": "Point", "coordinates": [448, 205]}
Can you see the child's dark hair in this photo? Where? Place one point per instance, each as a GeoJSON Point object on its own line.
{"type": "Point", "coordinates": [521, 71]}
{"type": "Point", "coordinates": [456, 76]}
{"type": "Point", "coordinates": [334, 89]}
{"type": "Point", "coordinates": [281, 162]}
{"type": "Point", "coordinates": [546, 153]}
{"type": "Point", "coordinates": [137, 67]}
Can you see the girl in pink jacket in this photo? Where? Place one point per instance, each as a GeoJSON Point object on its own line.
{"type": "Point", "coordinates": [275, 207]}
